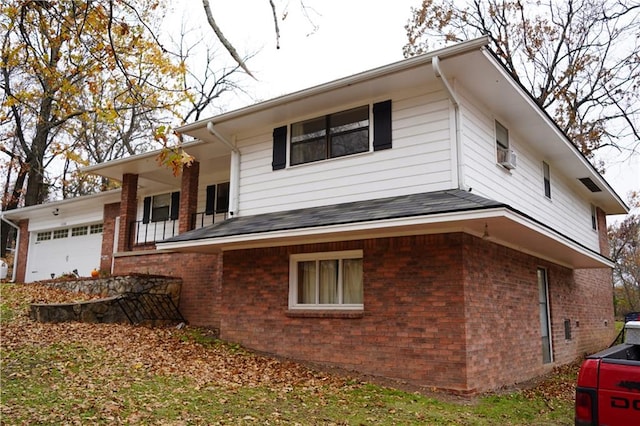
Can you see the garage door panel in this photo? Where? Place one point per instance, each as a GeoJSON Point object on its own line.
{"type": "Point", "coordinates": [59, 256]}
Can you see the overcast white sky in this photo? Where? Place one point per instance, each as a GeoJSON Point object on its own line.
{"type": "Point", "coordinates": [350, 36]}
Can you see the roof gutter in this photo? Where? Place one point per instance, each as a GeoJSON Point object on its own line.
{"type": "Point", "coordinates": [17, 250]}
{"type": "Point", "coordinates": [435, 62]}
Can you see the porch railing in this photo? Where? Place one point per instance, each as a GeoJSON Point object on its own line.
{"type": "Point", "coordinates": [145, 233]}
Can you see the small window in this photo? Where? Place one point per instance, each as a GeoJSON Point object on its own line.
{"type": "Point", "coordinates": [502, 136]}
{"type": "Point", "coordinates": [326, 280]}
{"type": "Point", "coordinates": [60, 233]}
{"type": "Point", "coordinates": [547, 179]}
{"type": "Point", "coordinates": [330, 136]}
{"type": "Point", "coordinates": [79, 230]}
{"type": "Point", "coordinates": [160, 207]}
{"type": "Point", "coordinates": [594, 218]}
{"type": "Point", "coordinates": [96, 229]}
{"type": "Point", "coordinates": [217, 198]}
{"type": "Point", "coordinates": [43, 236]}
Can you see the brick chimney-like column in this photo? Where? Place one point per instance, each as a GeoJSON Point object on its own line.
{"type": "Point", "coordinates": [188, 196]}
{"type": "Point", "coordinates": [128, 210]}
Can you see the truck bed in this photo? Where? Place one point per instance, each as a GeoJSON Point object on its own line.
{"type": "Point", "coordinates": [622, 352]}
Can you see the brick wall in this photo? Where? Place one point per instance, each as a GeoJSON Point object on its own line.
{"type": "Point", "coordinates": [188, 196]}
{"type": "Point", "coordinates": [110, 213]}
{"type": "Point", "coordinates": [200, 273]}
{"type": "Point", "coordinates": [451, 311]}
{"type": "Point", "coordinates": [412, 327]}
{"type": "Point", "coordinates": [23, 251]}
{"type": "Point", "coordinates": [128, 210]}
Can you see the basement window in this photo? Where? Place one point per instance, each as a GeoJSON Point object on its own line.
{"type": "Point", "coordinates": [331, 280]}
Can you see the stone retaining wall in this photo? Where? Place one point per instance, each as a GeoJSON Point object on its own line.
{"type": "Point", "coordinates": [107, 309]}
{"type": "Point", "coordinates": [115, 285]}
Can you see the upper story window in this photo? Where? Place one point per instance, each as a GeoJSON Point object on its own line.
{"type": "Point", "coordinates": [502, 136]}
{"type": "Point", "coordinates": [330, 280]}
{"type": "Point", "coordinates": [594, 218]}
{"type": "Point", "coordinates": [217, 198]}
{"type": "Point", "coordinates": [334, 135]}
{"type": "Point", "coordinates": [506, 157]}
{"type": "Point", "coordinates": [547, 179]}
{"type": "Point", "coordinates": [330, 136]}
{"type": "Point", "coordinates": [161, 207]}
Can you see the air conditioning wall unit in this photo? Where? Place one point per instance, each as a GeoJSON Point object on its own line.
{"type": "Point", "coordinates": [507, 158]}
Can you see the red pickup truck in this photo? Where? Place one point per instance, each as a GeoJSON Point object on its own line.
{"type": "Point", "coordinates": [608, 391]}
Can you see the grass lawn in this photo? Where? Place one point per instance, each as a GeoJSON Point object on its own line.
{"type": "Point", "coordinates": [119, 374]}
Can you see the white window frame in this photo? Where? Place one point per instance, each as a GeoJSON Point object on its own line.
{"type": "Point", "coordinates": [293, 279]}
{"type": "Point", "coordinates": [594, 217]}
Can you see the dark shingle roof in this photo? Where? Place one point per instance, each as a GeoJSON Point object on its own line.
{"type": "Point", "coordinates": [403, 206]}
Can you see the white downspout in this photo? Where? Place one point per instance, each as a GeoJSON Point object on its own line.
{"type": "Point", "coordinates": [17, 249]}
{"type": "Point", "coordinates": [234, 174]}
{"type": "Point", "coordinates": [435, 61]}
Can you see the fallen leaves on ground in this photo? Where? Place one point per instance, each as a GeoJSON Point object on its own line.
{"type": "Point", "coordinates": [122, 374]}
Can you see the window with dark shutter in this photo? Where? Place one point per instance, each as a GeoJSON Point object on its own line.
{"type": "Point", "coordinates": [146, 212]}
{"type": "Point", "coordinates": [222, 198]}
{"type": "Point", "coordinates": [279, 148]}
{"type": "Point", "coordinates": [210, 200]}
{"type": "Point", "coordinates": [382, 125]}
{"type": "Point", "coordinates": [175, 205]}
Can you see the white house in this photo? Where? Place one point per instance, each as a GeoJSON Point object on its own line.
{"type": "Point", "coordinates": [417, 221]}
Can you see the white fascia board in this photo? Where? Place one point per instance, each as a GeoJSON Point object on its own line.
{"type": "Point", "coordinates": [471, 222]}
{"type": "Point", "coordinates": [35, 210]}
{"type": "Point", "coordinates": [289, 234]}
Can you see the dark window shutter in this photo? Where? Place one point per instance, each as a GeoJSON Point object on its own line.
{"type": "Point", "coordinates": [279, 148]}
{"type": "Point", "coordinates": [382, 125]}
{"type": "Point", "coordinates": [175, 205]}
{"type": "Point", "coordinates": [210, 200]}
{"type": "Point", "coordinates": [146, 212]}
{"type": "Point", "coordinates": [222, 199]}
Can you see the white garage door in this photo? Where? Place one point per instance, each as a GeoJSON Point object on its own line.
{"type": "Point", "coordinates": [61, 251]}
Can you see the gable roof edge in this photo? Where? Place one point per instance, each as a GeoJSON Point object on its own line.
{"type": "Point", "coordinates": [404, 64]}
{"type": "Point", "coordinates": [528, 97]}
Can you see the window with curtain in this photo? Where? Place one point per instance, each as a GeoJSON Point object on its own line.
{"type": "Point", "coordinates": [326, 280]}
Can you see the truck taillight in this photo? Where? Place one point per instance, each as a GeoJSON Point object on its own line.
{"type": "Point", "coordinates": [584, 408]}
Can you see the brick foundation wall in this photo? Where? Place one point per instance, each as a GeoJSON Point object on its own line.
{"type": "Point", "coordinates": [412, 327]}
{"type": "Point", "coordinates": [451, 311]}
{"type": "Point", "coordinates": [200, 273]}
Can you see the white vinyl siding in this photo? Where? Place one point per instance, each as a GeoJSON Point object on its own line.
{"type": "Point", "coordinates": [521, 187]}
{"type": "Point", "coordinates": [419, 161]}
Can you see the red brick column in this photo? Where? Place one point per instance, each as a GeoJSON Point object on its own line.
{"type": "Point", "coordinates": [188, 196]}
{"type": "Point", "coordinates": [128, 210]}
{"type": "Point", "coordinates": [111, 212]}
{"type": "Point", "coordinates": [601, 217]}
{"type": "Point", "coordinates": [23, 251]}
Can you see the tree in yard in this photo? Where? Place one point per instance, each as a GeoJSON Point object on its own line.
{"type": "Point", "coordinates": [624, 239]}
{"type": "Point", "coordinates": [579, 59]}
{"type": "Point", "coordinates": [68, 64]}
